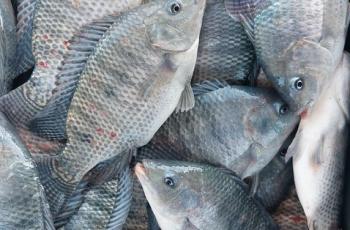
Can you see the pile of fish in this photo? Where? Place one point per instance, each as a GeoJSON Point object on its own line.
{"type": "Point", "coordinates": [173, 114]}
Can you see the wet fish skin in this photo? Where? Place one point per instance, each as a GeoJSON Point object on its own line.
{"type": "Point", "coordinates": [50, 46]}
{"type": "Point", "coordinates": [22, 198]}
{"type": "Point", "coordinates": [7, 46]}
{"type": "Point", "coordinates": [298, 43]}
{"type": "Point", "coordinates": [187, 195]}
{"type": "Point", "coordinates": [135, 91]}
{"type": "Point", "coordinates": [319, 152]}
{"type": "Point", "coordinates": [225, 51]}
{"type": "Point", "coordinates": [243, 140]}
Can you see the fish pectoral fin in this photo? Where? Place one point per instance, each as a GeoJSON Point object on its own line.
{"type": "Point", "coordinates": [293, 147]}
{"type": "Point", "coordinates": [186, 101]}
{"type": "Point", "coordinates": [254, 185]}
{"type": "Point", "coordinates": [51, 121]}
{"type": "Point", "coordinates": [208, 86]}
{"type": "Point", "coordinates": [318, 154]}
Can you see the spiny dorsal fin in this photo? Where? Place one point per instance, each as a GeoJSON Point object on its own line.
{"type": "Point", "coordinates": [208, 86]}
{"type": "Point", "coordinates": [187, 99]}
{"type": "Point", "coordinates": [51, 122]}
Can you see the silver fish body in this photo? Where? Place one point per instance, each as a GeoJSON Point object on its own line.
{"type": "Point", "coordinates": [238, 127]}
{"type": "Point", "coordinates": [187, 195]}
{"type": "Point", "coordinates": [319, 151]}
{"type": "Point", "coordinates": [299, 43]}
{"type": "Point", "coordinates": [23, 204]}
{"type": "Point", "coordinates": [136, 76]}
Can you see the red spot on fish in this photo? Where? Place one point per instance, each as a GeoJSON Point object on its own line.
{"type": "Point", "coordinates": [43, 64]}
{"type": "Point", "coordinates": [297, 219]}
{"type": "Point", "coordinates": [100, 131]}
{"type": "Point", "coordinates": [303, 114]}
{"type": "Point", "coordinates": [113, 135]}
{"type": "Point", "coordinates": [66, 44]}
{"type": "Point", "coordinates": [45, 37]}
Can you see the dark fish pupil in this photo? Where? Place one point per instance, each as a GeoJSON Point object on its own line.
{"type": "Point", "coordinates": [299, 84]}
{"type": "Point", "coordinates": [175, 8]}
{"type": "Point", "coordinates": [283, 152]}
{"type": "Point", "coordinates": [283, 109]}
{"type": "Point", "coordinates": [169, 181]}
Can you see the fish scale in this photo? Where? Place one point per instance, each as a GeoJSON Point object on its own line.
{"type": "Point", "coordinates": [23, 202]}
{"type": "Point", "coordinates": [146, 84]}
{"type": "Point", "coordinates": [200, 199]}
{"type": "Point", "coordinates": [295, 41]}
{"type": "Point", "coordinates": [225, 51]}
{"type": "Point", "coordinates": [200, 135]}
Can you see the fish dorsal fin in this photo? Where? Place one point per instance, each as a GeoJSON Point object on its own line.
{"type": "Point", "coordinates": [25, 17]}
{"type": "Point", "coordinates": [245, 11]}
{"type": "Point", "coordinates": [234, 177]}
{"type": "Point", "coordinates": [51, 121]}
{"type": "Point", "coordinates": [186, 100]}
{"type": "Point", "coordinates": [208, 86]}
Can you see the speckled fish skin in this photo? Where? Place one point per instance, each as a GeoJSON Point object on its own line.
{"type": "Point", "coordinates": [319, 152]}
{"type": "Point", "coordinates": [275, 181]}
{"type": "Point", "coordinates": [54, 25]}
{"type": "Point", "coordinates": [238, 127]}
{"type": "Point", "coordinates": [25, 16]}
{"type": "Point", "coordinates": [187, 195]}
{"type": "Point", "coordinates": [130, 85]}
{"type": "Point", "coordinates": [295, 39]}
{"type": "Point", "coordinates": [7, 46]}
{"type": "Point", "coordinates": [22, 199]}
{"type": "Point", "coordinates": [225, 51]}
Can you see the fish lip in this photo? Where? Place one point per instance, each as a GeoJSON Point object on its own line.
{"type": "Point", "coordinates": [140, 170]}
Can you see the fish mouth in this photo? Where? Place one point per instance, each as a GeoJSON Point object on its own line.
{"type": "Point", "coordinates": [140, 170]}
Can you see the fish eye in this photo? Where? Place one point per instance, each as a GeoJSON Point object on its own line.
{"type": "Point", "coordinates": [299, 84]}
{"type": "Point", "coordinates": [283, 152]}
{"type": "Point", "coordinates": [175, 8]}
{"type": "Point", "coordinates": [169, 182]}
{"type": "Point", "coordinates": [284, 109]}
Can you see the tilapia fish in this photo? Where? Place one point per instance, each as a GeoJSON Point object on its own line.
{"type": "Point", "coordinates": [22, 199]}
{"type": "Point", "coordinates": [319, 152]}
{"type": "Point", "coordinates": [238, 127]}
{"type": "Point", "coordinates": [53, 28]}
{"type": "Point", "coordinates": [187, 195]}
{"type": "Point", "coordinates": [225, 51]}
{"type": "Point", "coordinates": [137, 74]}
{"type": "Point", "coordinates": [299, 43]}
{"type": "Point", "coordinates": [7, 46]}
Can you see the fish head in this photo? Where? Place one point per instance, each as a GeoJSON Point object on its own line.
{"type": "Point", "coordinates": [175, 25]}
{"type": "Point", "coordinates": [300, 72]}
{"type": "Point", "coordinates": [170, 186]}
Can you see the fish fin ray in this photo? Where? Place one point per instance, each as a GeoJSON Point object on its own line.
{"type": "Point", "coordinates": [186, 100]}
{"type": "Point", "coordinates": [51, 121]}
{"type": "Point", "coordinates": [208, 86]}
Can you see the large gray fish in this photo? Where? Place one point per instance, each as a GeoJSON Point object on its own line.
{"type": "Point", "coordinates": [7, 46]}
{"type": "Point", "coordinates": [239, 127]}
{"type": "Point", "coordinates": [187, 195]}
{"type": "Point", "coordinates": [22, 199]}
{"type": "Point", "coordinates": [25, 16]}
{"type": "Point", "coordinates": [299, 43]}
{"type": "Point", "coordinates": [54, 25]}
{"type": "Point", "coordinates": [131, 73]}
{"type": "Point", "coordinates": [225, 51]}
{"type": "Point", "coordinates": [319, 151]}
